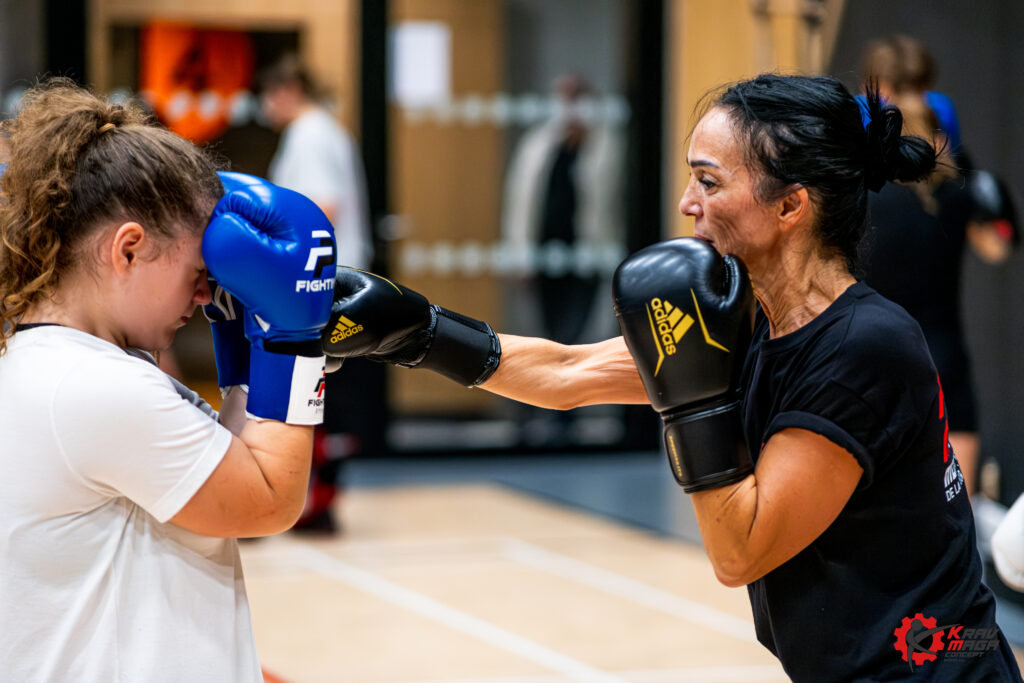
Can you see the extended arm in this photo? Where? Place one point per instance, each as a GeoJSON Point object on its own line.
{"type": "Point", "coordinates": [384, 321]}
{"type": "Point", "coordinates": [551, 375]}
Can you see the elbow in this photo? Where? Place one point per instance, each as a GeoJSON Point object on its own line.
{"type": "Point", "coordinates": [562, 403]}
{"type": "Point", "coordinates": [276, 517]}
{"type": "Point", "coordinates": [565, 393]}
{"type": "Point", "coordinates": [283, 517]}
{"type": "Point", "coordinates": [285, 522]}
{"type": "Point", "coordinates": [735, 570]}
{"type": "Point", "coordinates": [731, 578]}
{"type": "Point", "coordinates": [552, 403]}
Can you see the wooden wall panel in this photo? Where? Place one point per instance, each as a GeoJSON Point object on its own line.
{"type": "Point", "coordinates": [328, 29]}
{"type": "Point", "coordinates": [446, 183]}
{"type": "Point", "coordinates": [712, 43]}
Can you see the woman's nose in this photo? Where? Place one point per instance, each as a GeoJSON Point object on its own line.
{"type": "Point", "coordinates": [688, 204]}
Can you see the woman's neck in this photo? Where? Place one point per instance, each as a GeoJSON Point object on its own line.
{"type": "Point", "coordinates": [796, 290]}
{"type": "Point", "coordinates": [72, 307]}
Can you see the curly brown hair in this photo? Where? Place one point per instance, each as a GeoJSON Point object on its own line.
{"type": "Point", "coordinates": [77, 163]}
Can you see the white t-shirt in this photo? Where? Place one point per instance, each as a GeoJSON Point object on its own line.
{"type": "Point", "coordinates": [98, 452]}
{"type": "Point", "coordinates": [318, 158]}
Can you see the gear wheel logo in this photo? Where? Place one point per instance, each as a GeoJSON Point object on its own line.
{"type": "Point", "coordinates": [918, 639]}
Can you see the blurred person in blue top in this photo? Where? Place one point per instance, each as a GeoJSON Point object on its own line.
{"type": "Point", "coordinates": [921, 231]}
{"type": "Point", "coordinates": [899, 64]}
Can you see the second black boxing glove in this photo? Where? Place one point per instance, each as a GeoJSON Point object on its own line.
{"type": "Point", "coordinates": [376, 318]}
{"type": "Point", "coordinates": [686, 315]}
{"type": "Point", "coordinates": [993, 204]}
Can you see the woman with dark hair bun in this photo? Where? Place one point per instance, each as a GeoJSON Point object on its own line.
{"type": "Point", "coordinates": [921, 233]}
{"type": "Point", "coordinates": [813, 442]}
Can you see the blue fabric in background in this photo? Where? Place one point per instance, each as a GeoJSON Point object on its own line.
{"type": "Point", "coordinates": [939, 103]}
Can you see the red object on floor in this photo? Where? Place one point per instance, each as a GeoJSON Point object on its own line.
{"type": "Point", "coordinates": [328, 450]}
{"type": "Point", "coordinates": [272, 678]}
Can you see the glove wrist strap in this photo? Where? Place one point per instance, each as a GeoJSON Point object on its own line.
{"type": "Point", "coordinates": [231, 352]}
{"type": "Point", "coordinates": [464, 350]}
{"type": "Point", "coordinates": [287, 388]}
{"type": "Point", "coordinates": [706, 448]}
{"type": "Point", "coordinates": [311, 348]}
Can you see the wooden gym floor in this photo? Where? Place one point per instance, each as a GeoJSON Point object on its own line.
{"type": "Point", "coordinates": [503, 570]}
{"type": "Point", "coordinates": [481, 584]}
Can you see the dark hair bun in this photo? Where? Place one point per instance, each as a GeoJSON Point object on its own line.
{"type": "Point", "coordinates": [890, 155]}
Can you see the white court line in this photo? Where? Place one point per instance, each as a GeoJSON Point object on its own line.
{"type": "Point", "coordinates": [703, 674]}
{"type": "Point", "coordinates": [752, 673]}
{"type": "Point", "coordinates": [408, 599]}
{"type": "Point", "coordinates": [630, 589]}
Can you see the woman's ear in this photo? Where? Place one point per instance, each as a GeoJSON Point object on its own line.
{"type": "Point", "coordinates": [795, 208]}
{"type": "Point", "coordinates": [128, 243]}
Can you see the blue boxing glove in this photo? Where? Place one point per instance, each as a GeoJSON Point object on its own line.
{"type": "Point", "coordinates": [273, 249]}
{"type": "Point", "coordinates": [226, 314]}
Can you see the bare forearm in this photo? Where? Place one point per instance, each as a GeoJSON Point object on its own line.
{"type": "Point", "coordinates": [232, 410]}
{"type": "Point", "coordinates": [800, 485]}
{"type": "Point", "coordinates": [259, 487]}
{"type": "Point", "coordinates": [726, 517]}
{"type": "Point", "coordinates": [283, 454]}
{"type": "Point", "coordinates": [551, 375]}
{"type": "Point", "coordinates": [748, 531]}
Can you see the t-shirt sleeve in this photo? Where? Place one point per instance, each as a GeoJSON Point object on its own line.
{"type": "Point", "coordinates": [125, 430]}
{"type": "Point", "coordinates": [837, 413]}
{"type": "Point", "coordinates": [863, 396]}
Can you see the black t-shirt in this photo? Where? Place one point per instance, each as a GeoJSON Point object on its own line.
{"type": "Point", "coordinates": [904, 544]}
{"type": "Point", "coordinates": [914, 256]}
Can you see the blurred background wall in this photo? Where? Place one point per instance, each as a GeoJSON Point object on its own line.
{"type": "Point", "coordinates": [23, 39]}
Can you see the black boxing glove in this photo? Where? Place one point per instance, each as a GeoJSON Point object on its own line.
{"type": "Point", "coordinates": [993, 204]}
{"type": "Point", "coordinates": [376, 318]}
{"type": "Point", "coordinates": [686, 316]}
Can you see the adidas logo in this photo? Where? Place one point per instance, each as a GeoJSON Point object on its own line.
{"type": "Point", "coordinates": [668, 325]}
{"type": "Point", "coordinates": [344, 329]}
